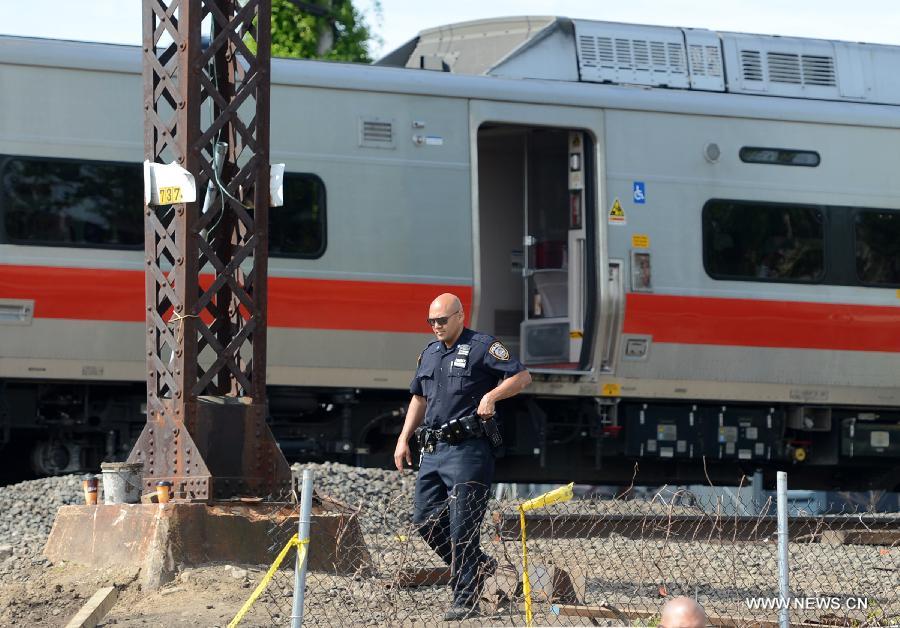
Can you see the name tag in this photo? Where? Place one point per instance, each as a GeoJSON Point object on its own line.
{"type": "Point", "coordinates": [459, 363]}
{"type": "Point", "coordinates": [463, 350]}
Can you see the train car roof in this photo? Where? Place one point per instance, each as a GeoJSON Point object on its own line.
{"type": "Point", "coordinates": [591, 51]}
{"type": "Point", "coordinates": [127, 59]}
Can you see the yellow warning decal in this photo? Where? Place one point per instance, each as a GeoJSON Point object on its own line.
{"type": "Point", "coordinates": [610, 390]}
{"type": "Point", "coordinates": [640, 241]}
{"type": "Point", "coordinates": [616, 213]}
{"type": "Point", "coordinates": [576, 334]}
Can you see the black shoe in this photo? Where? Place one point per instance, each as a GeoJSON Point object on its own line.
{"type": "Point", "coordinates": [458, 612]}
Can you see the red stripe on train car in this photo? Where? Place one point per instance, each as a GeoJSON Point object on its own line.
{"type": "Point", "coordinates": [359, 305]}
{"type": "Point", "coordinates": [76, 293]}
{"type": "Point", "coordinates": [118, 295]}
{"type": "Point", "coordinates": [757, 323]}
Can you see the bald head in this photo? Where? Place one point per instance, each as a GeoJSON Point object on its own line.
{"type": "Point", "coordinates": [444, 304]}
{"type": "Point", "coordinates": [446, 317]}
{"type": "Point", "coordinates": [682, 612]}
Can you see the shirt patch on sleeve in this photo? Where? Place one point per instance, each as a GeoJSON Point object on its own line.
{"type": "Point", "coordinates": [499, 351]}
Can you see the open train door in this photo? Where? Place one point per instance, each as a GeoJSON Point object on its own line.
{"type": "Point", "coordinates": [540, 243]}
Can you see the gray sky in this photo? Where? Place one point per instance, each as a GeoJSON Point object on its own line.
{"type": "Point", "coordinates": [874, 21]}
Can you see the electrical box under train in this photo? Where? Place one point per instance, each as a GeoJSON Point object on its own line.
{"type": "Point", "coordinates": [750, 434]}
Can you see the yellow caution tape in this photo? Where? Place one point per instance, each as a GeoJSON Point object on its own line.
{"type": "Point", "coordinates": [526, 581]}
{"type": "Point", "coordinates": [557, 495]}
{"type": "Point", "coordinates": [301, 555]}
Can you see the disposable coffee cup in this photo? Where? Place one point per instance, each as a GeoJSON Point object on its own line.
{"type": "Point", "coordinates": [89, 484]}
{"type": "Point", "coordinates": [163, 492]}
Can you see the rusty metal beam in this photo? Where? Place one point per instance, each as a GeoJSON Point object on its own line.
{"type": "Point", "coordinates": [206, 272]}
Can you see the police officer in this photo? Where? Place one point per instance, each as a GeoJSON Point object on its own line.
{"type": "Point", "coordinates": [457, 377]}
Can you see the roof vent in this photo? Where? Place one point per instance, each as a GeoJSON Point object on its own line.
{"type": "Point", "coordinates": [705, 64]}
{"type": "Point", "coordinates": [376, 133]}
{"type": "Point", "coordinates": [784, 68]}
{"type": "Point", "coordinates": [800, 68]}
{"type": "Point", "coordinates": [705, 60]}
{"type": "Point", "coordinates": [818, 70]}
{"type": "Point", "coordinates": [631, 54]}
{"type": "Point", "coordinates": [588, 47]}
{"type": "Point", "coordinates": [751, 65]}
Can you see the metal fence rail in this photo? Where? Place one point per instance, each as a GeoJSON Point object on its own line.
{"type": "Point", "coordinates": [613, 561]}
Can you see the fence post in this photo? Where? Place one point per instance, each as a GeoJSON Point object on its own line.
{"type": "Point", "coordinates": [302, 550]}
{"type": "Point", "coordinates": [783, 585]}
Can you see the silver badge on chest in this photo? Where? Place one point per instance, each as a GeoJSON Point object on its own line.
{"type": "Point", "coordinates": [462, 356]}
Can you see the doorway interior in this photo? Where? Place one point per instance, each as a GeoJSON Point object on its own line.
{"type": "Point", "coordinates": [536, 245]}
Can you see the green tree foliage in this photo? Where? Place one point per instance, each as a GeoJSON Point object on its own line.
{"type": "Point", "coordinates": [342, 34]}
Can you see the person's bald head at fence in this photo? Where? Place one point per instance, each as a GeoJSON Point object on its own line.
{"type": "Point", "coordinates": [682, 612]}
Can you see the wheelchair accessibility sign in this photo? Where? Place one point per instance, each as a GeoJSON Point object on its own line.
{"type": "Point", "coordinates": [639, 192]}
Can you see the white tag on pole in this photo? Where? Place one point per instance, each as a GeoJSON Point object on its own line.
{"type": "Point", "coordinates": [165, 184]}
{"type": "Point", "coordinates": [276, 185]}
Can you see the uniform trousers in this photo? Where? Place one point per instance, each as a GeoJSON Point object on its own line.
{"type": "Point", "coordinates": [450, 501]}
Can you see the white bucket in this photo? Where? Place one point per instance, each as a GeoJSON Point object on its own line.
{"type": "Point", "coordinates": [121, 482]}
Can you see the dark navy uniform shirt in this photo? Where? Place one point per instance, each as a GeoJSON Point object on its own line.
{"type": "Point", "coordinates": [454, 380]}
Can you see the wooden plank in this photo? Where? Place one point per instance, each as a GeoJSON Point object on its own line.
{"type": "Point", "coordinates": [95, 609]}
{"type": "Point", "coordinates": [601, 612]}
{"type": "Point", "coordinates": [413, 577]}
{"type": "Point", "coordinates": [863, 537]}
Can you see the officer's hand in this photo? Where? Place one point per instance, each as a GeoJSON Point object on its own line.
{"type": "Point", "coordinates": [485, 408]}
{"type": "Point", "coordinates": [401, 453]}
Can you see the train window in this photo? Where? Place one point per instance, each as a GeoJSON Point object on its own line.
{"type": "Point", "coordinates": [779, 156]}
{"type": "Point", "coordinates": [297, 229]}
{"type": "Point", "coordinates": [71, 202]}
{"type": "Point", "coordinates": [877, 246]}
{"type": "Point", "coordinates": [763, 241]}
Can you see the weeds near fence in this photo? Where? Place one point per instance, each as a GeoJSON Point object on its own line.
{"type": "Point", "coordinates": [591, 559]}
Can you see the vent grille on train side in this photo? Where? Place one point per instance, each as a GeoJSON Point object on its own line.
{"type": "Point", "coordinates": [376, 133]}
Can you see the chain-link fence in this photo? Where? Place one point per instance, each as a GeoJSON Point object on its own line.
{"type": "Point", "coordinates": [611, 559]}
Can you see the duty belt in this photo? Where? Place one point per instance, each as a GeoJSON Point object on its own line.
{"type": "Point", "coordinates": [457, 431]}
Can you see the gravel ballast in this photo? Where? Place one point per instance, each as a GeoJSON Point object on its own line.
{"type": "Point", "coordinates": [636, 573]}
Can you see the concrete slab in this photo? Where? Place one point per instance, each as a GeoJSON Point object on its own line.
{"type": "Point", "coordinates": [161, 538]}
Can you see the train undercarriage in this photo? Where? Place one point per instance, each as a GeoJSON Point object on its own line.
{"type": "Point", "coordinates": [51, 428]}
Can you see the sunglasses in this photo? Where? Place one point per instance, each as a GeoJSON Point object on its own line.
{"type": "Point", "coordinates": [440, 320]}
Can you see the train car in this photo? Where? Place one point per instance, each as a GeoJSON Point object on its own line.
{"type": "Point", "coordinates": [691, 238]}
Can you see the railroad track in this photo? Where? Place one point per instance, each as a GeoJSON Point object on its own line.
{"type": "Point", "coordinates": [835, 529]}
